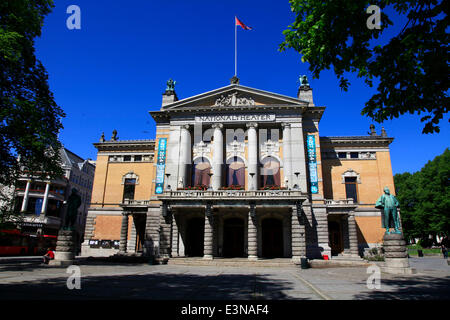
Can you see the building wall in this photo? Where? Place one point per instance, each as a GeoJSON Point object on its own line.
{"type": "Point", "coordinates": [108, 187]}
{"type": "Point", "coordinates": [374, 175]}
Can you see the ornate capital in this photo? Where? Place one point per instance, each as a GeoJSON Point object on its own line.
{"type": "Point", "coordinates": [286, 125]}
{"type": "Point", "coordinates": [217, 126]}
{"type": "Point", "coordinates": [253, 125]}
{"type": "Point", "coordinates": [186, 126]}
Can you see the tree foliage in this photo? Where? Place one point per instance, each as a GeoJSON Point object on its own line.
{"type": "Point", "coordinates": [424, 198]}
{"type": "Point", "coordinates": [30, 119]}
{"type": "Point", "coordinates": [412, 68]}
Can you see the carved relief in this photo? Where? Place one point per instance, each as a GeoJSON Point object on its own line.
{"type": "Point", "coordinates": [270, 148]}
{"type": "Point", "coordinates": [235, 149]}
{"type": "Point", "coordinates": [233, 100]}
{"type": "Point", "coordinates": [201, 149]}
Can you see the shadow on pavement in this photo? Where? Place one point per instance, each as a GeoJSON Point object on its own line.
{"type": "Point", "coordinates": [158, 286]}
{"type": "Point", "coordinates": [417, 288]}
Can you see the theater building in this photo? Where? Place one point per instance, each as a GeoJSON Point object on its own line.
{"type": "Point", "coordinates": [238, 172]}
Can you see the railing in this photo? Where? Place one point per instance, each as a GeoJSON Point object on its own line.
{"type": "Point", "coordinates": [339, 201]}
{"type": "Point", "coordinates": [239, 194]}
{"type": "Point", "coordinates": [136, 202]}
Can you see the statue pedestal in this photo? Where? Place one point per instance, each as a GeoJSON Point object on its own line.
{"type": "Point", "coordinates": [396, 255]}
{"type": "Point", "coordinates": [65, 248]}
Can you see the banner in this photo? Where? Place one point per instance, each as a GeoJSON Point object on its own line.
{"type": "Point", "coordinates": [161, 165]}
{"type": "Point", "coordinates": [312, 163]}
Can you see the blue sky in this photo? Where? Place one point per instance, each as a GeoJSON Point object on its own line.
{"type": "Point", "coordinates": [109, 74]}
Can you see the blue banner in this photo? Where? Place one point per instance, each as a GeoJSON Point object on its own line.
{"type": "Point", "coordinates": [312, 163]}
{"type": "Point", "coordinates": [161, 165]}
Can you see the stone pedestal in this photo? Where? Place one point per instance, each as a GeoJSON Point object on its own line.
{"type": "Point", "coordinates": [65, 248]}
{"type": "Point", "coordinates": [396, 255]}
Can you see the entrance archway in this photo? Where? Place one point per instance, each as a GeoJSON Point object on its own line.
{"type": "Point", "coordinates": [233, 237]}
{"type": "Point", "coordinates": [272, 238]}
{"type": "Point", "coordinates": [195, 237]}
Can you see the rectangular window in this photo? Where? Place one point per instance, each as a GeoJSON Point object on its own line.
{"type": "Point", "coordinates": [126, 158]}
{"type": "Point", "coordinates": [342, 155]}
{"type": "Point", "coordinates": [354, 155]}
{"type": "Point", "coordinates": [137, 158]}
{"type": "Point", "coordinates": [351, 188]}
{"type": "Point", "coordinates": [128, 189]}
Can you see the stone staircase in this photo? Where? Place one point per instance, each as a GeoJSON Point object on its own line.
{"type": "Point", "coordinates": [232, 262]}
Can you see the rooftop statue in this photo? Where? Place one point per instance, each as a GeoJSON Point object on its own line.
{"type": "Point", "coordinates": [170, 85]}
{"type": "Point", "coordinates": [304, 80]}
{"type": "Point", "coordinates": [389, 204]}
{"type": "Point", "coordinates": [114, 135]}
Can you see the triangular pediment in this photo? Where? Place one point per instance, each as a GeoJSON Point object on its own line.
{"type": "Point", "coordinates": [234, 95]}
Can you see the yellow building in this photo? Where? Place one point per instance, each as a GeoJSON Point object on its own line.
{"type": "Point", "coordinates": [238, 172]}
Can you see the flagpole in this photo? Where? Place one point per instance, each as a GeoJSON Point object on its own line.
{"type": "Point", "coordinates": [235, 47]}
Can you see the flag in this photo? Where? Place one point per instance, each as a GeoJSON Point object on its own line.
{"type": "Point", "coordinates": [239, 23]}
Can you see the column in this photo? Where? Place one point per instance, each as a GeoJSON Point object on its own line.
{"type": "Point", "coordinates": [252, 156]}
{"type": "Point", "coordinates": [165, 231]}
{"type": "Point", "coordinates": [287, 158]}
{"type": "Point", "coordinates": [173, 157]}
{"type": "Point", "coordinates": [298, 161]}
{"type": "Point", "coordinates": [174, 251]}
{"type": "Point", "coordinates": [352, 235]}
{"type": "Point", "coordinates": [208, 236]}
{"type": "Point", "coordinates": [152, 223]}
{"type": "Point", "coordinates": [217, 156]}
{"type": "Point", "coordinates": [185, 156]}
{"type": "Point", "coordinates": [345, 234]}
{"type": "Point", "coordinates": [124, 233]}
{"type": "Point", "coordinates": [252, 234]}
{"type": "Point", "coordinates": [25, 197]}
{"type": "Point", "coordinates": [298, 234]}
{"type": "Point", "coordinates": [45, 201]}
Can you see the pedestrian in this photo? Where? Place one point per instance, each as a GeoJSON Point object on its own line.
{"type": "Point", "coordinates": [50, 255]}
{"type": "Point", "coordinates": [444, 251]}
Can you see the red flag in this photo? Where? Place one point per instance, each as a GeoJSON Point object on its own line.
{"type": "Point", "coordinates": [243, 26]}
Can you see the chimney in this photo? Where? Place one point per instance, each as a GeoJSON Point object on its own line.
{"type": "Point", "coordinates": [169, 96]}
{"type": "Point", "coordinates": [304, 91]}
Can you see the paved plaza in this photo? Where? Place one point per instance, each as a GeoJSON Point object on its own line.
{"type": "Point", "coordinates": [26, 278]}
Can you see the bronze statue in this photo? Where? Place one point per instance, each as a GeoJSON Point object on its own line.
{"type": "Point", "coordinates": [170, 85]}
{"type": "Point", "coordinates": [73, 203]}
{"type": "Point", "coordinates": [114, 135]}
{"type": "Point", "coordinates": [389, 218]}
{"type": "Point", "coordinates": [304, 80]}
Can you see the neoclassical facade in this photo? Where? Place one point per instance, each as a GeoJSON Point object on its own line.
{"type": "Point", "coordinates": [238, 172]}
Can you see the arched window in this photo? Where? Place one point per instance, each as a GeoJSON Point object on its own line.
{"type": "Point", "coordinates": [201, 172]}
{"type": "Point", "coordinates": [235, 172]}
{"type": "Point", "coordinates": [270, 172]}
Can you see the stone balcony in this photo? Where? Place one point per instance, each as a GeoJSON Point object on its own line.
{"type": "Point", "coordinates": [233, 195]}
{"type": "Point", "coordinates": [226, 196]}
{"type": "Point", "coordinates": [340, 206]}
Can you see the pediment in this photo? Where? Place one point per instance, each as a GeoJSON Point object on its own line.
{"type": "Point", "coordinates": [234, 95]}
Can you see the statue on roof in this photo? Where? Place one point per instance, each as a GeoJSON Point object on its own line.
{"type": "Point", "coordinates": [170, 85]}
{"type": "Point", "coordinates": [304, 80]}
{"type": "Point", "coordinates": [114, 135]}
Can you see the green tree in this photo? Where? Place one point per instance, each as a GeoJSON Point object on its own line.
{"type": "Point", "coordinates": [425, 198]}
{"type": "Point", "coordinates": [412, 68]}
{"type": "Point", "coordinates": [30, 119]}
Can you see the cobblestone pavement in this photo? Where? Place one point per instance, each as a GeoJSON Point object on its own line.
{"type": "Point", "coordinates": [28, 279]}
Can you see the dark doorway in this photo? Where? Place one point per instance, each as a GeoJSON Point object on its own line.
{"type": "Point", "coordinates": [336, 243]}
{"type": "Point", "coordinates": [139, 223]}
{"type": "Point", "coordinates": [233, 237]}
{"type": "Point", "coordinates": [272, 238]}
{"type": "Point", "coordinates": [195, 237]}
